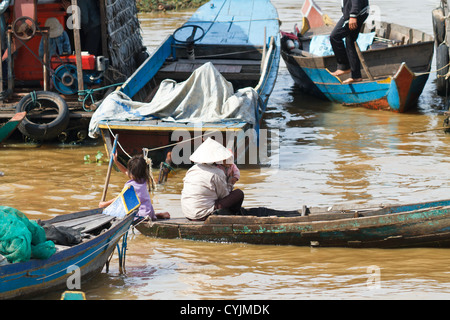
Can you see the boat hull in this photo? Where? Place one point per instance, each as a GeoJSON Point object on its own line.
{"type": "Point", "coordinates": [152, 134]}
{"type": "Point", "coordinates": [8, 128]}
{"type": "Point", "coordinates": [400, 73]}
{"type": "Point", "coordinates": [37, 277]}
{"type": "Point", "coordinates": [241, 40]}
{"type": "Point", "coordinates": [421, 225]}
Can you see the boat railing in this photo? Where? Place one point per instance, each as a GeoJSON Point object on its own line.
{"type": "Point", "coordinates": [148, 69]}
{"type": "Point", "coordinates": [266, 64]}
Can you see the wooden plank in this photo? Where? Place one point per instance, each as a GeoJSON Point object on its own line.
{"type": "Point", "coordinates": [184, 67]}
{"type": "Point", "coordinates": [253, 220]}
{"type": "Point", "coordinates": [363, 62]}
{"type": "Point", "coordinates": [209, 230]}
{"type": "Point", "coordinates": [77, 44]}
{"type": "Point", "coordinates": [239, 62]}
{"type": "Point", "coordinates": [181, 76]}
{"type": "Point", "coordinates": [104, 30]}
{"type": "Point", "coordinates": [190, 67]}
{"type": "Point", "coordinates": [86, 224]}
{"type": "Point", "coordinates": [228, 69]}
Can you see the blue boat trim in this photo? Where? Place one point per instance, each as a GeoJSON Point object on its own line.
{"type": "Point", "coordinates": [236, 33]}
{"type": "Point", "coordinates": [38, 276]}
{"type": "Point", "coordinates": [400, 70]}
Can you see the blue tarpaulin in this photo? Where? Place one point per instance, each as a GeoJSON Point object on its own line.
{"type": "Point", "coordinates": [321, 46]}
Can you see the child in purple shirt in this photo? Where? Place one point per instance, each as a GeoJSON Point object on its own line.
{"type": "Point", "coordinates": [138, 172]}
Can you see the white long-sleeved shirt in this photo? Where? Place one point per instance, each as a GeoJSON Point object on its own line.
{"type": "Point", "coordinates": [204, 184]}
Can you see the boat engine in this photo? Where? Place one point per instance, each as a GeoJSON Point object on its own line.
{"type": "Point", "coordinates": [65, 78]}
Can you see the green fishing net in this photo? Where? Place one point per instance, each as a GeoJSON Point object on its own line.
{"type": "Point", "coordinates": [22, 239]}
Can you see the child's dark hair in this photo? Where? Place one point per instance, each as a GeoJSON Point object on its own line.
{"type": "Point", "coordinates": [138, 168]}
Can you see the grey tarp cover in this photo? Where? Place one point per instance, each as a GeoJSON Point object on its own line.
{"type": "Point", "coordinates": [205, 97]}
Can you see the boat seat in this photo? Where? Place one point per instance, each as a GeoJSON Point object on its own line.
{"type": "Point", "coordinates": [230, 69]}
{"type": "Point", "coordinates": [86, 224]}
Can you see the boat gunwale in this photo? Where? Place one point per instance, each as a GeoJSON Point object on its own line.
{"type": "Point", "coordinates": [66, 256]}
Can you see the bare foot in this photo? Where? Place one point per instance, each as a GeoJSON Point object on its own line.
{"type": "Point", "coordinates": [351, 80]}
{"type": "Point", "coordinates": [338, 73]}
{"type": "Point", "coordinates": [163, 215]}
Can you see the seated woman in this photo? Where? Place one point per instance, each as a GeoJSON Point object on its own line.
{"type": "Point", "coordinates": [59, 43]}
{"type": "Point", "coordinates": [205, 189]}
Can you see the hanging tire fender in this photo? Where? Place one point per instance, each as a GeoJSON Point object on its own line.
{"type": "Point", "coordinates": [439, 25]}
{"type": "Point", "coordinates": [48, 100]}
{"type": "Point", "coordinates": [442, 61]}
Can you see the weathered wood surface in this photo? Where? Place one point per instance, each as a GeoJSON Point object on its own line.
{"type": "Point", "coordinates": [415, 225]}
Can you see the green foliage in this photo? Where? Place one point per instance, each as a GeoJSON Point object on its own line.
{"type": "Point", "coordinates": [98, 158]}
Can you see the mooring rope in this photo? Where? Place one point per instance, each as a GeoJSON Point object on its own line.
{"type": "Point", "coordinates": [436, 71]}
{"type": "Point", "coordinates": [158, 148]}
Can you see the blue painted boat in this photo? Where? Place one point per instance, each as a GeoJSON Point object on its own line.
{"type": "Point", "coordinates": [101, 234]}
{"type": "Point", "coordinates": [8, 128]}
{"type": "Point", "coordinates": [400, 226]}
{"type": "Point", "coordinates": [396, 67]}
{"type": "Point", "coordinates": [240, 38]}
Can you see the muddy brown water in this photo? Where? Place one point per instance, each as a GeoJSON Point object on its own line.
{"type": "Point", "coordinates": [329, 154]}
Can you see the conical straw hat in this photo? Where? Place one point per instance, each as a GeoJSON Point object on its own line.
{"type": "Point", "coordinates": [56, 29]}
{"type": "Point", "coordinates": [210, 152]}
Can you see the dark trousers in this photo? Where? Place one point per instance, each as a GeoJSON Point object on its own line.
{"type": "Point", "coordinates": [91, 40]}
{"type": "Point", "coordinates": [346, 55]}
{"type": "Point", "coordinates": [231, 204]}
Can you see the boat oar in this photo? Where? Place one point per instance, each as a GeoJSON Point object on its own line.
{"type": "Point", "coordinates": [363, 61]}
{"type": "Point", "coordinates": [111, 161]}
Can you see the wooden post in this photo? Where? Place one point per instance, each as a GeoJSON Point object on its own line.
{"type": "Point", "coordinates": [10, 63]}
{"type": "Point", "coordinates": [263, 60]}
{"type": "Point", "coordinates": [363, 62]}
{"type": "Point", "coordinates": [1, 68]}
{"type": "Point", "coordinates": [46, 59]}
{"type": "Point", "coordinates": [77, 42]}
{"type": "Point", "coordinates": [103, 27]}
{"type": "Point", "coordinates": [111, 162]}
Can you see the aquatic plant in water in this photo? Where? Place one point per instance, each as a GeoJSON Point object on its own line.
{"type": "Point", "coordinates": [98, 158]}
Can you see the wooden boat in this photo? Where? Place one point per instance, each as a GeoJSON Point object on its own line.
{"type": "Point", "coordinates": [101, 233]}
{"type": "Point", "coordinates": [413, 225]}
{"type": "Point", "coordinates": [8, 128]}
{"type": "Point", "coordinates": [63, 90]}
{"type": "Point", "coordinates": [242, 41]}
{"type": "Point", "coordinates": [396, 67]}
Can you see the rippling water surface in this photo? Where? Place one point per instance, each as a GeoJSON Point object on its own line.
{"type": "Point", "coordinates": [328, 154]}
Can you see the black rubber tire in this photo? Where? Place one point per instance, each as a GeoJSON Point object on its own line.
{"type": "Point", "coordinates": [442, 59]}
{"type": "Point", "coordinates": [44, 131]}
{"type": "Point", "coordinates": [439, 25]}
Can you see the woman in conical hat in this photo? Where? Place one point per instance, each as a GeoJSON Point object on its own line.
{"type": "Point", "coordinates": [55, 27]}
{"type": "Point", "coordinates": [59, 43]}
{"type": "Point", "coordinates": [205, 189]}
{"type": "Point", "coordinates": [210, 152]}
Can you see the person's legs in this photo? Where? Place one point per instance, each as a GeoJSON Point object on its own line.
{"type": "Point", "coordinates": [92, 41]}
{"type": "Point", "coordinates": [346, 55]}
{"type": "Point", "coordinates": [353, 58]}
{"type": "Point", "coordinates": [337, 43]}
{"type": "Point", "coordinates": [232, 202]}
